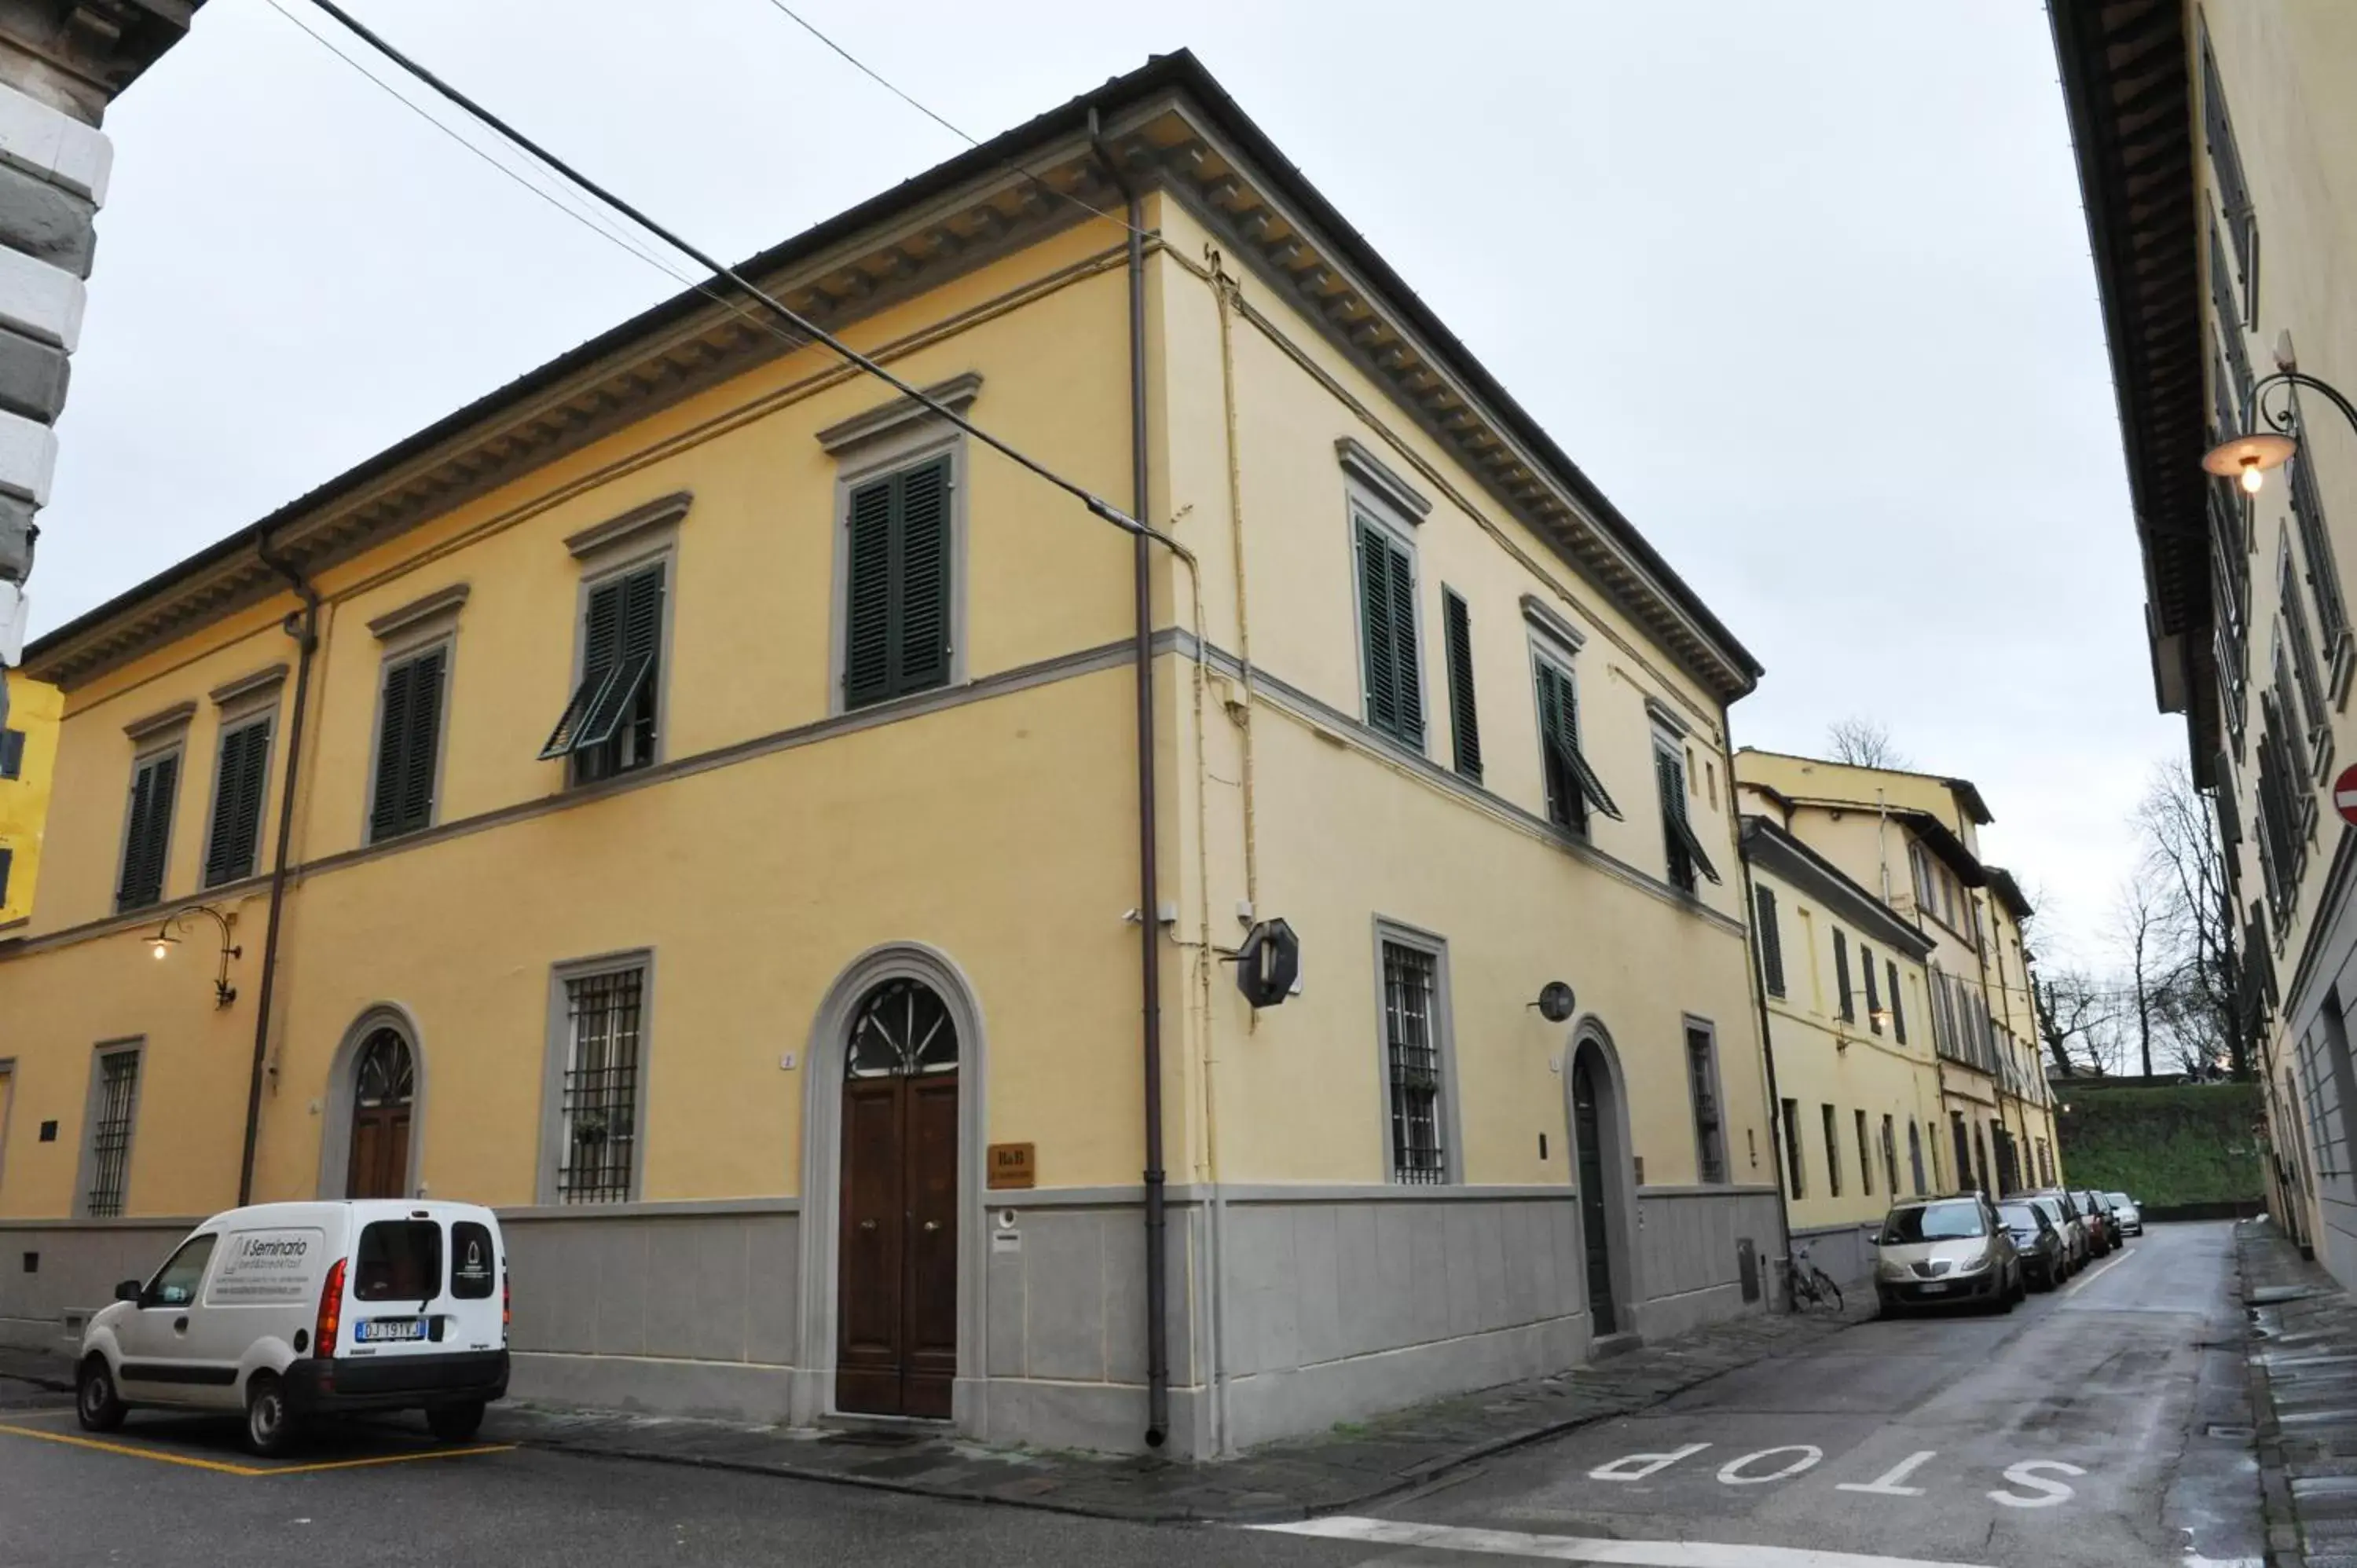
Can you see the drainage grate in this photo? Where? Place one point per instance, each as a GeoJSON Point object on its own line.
{"type": "Point", "coordinates": [2227, 1429]}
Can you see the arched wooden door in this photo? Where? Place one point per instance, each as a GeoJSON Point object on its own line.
{"type": "Point", "coordinates": [1595, 1229]}
{"type": "Point", "coordinates": [384, 1089]}
{"type": "Point", "coordinates": [896, 1349]}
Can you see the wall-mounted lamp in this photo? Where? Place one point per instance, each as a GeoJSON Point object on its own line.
{"type": "Point", "coordinates": [1881, 1017]}
{"type": "Point", "coordinates": [1556, 1002]}
{"type": "Point", "coordinates": [2245, 456]}
{"type": "Point", "coordinates": [164, 941]}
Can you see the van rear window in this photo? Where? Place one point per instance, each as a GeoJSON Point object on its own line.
{"type": "Point", "coordinates": [399, 1260]}
{"type": "Point", "coordinates": [474, 1267]}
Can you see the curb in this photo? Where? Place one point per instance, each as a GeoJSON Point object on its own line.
{"type": "Point", "coordinates": [1421, 1473]}
{"type": "Point", "coordinates": [2278, 1514]}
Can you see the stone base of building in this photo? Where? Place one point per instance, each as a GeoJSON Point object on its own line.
{"type": "Point", "coordinates": [1321, 1305]}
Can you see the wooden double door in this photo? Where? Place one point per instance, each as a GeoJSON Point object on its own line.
{"type": "Point", "coordinates": [897, 1255]}
{"type": "Point", "coordinates": [384, 1093]}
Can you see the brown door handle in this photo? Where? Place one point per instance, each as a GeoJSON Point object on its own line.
{"type": "Point", "coordinates": [867, 1225]}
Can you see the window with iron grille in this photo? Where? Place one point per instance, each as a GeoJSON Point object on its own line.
{"type": "Point", "coordinates": [1833, 1153]}
{"type": "Point", "coordinates": [1772, 941]}
{"type": "Point", "coordinates": [1464, 721]}
{"type": "Point", "coordinates": [610, 725]}
{"type": "Point", "coordinates": [599, 1111]}
{"type": "Point", "coordinates": [1387, 640]}
{"type": "Point", "coordinates": [114, 1106]}
{"type": "Point", "coordinates": [1412, 1053]}
{"type": "Point", "coordinates": [147, 834]}
{"type": "Point", "coordinates": [234, 840]}
{"type": "Point", "coordinates": [1702, 1083]}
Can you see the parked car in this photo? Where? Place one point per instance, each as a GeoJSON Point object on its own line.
{"type": "Point", "coordinates": [1938, 1251]}
{"type": "Point", "coordinates": [2127, 1212]}
{"type": "Point", "coordinates": [2068, 1212]}
{"type": "Point", "coordinates": [2039, 1242]}
{"type": "Point", "coordinates": [2102, 1235]}
{"type": "Point", "coordinates": [287, 1310]}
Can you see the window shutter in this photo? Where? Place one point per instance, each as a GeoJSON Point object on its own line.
{"type": "Point", "coordinates": [867, 609]}
{"type": "Point", "coordinates": [1558, 741]}
{"type": "Point", "coordinates": [1898, 1015]}
{"type": "Point", "coordinates": [127, 888]}
{"type": "Point", "coordinates": [12, 752]}
{"type": "Point", "coordinates": [1771, 940]}
{"type": "Point", "coordinates": [1403, 624]}
{"type": "Point", "coordinates": [920, 608]}
{"type": "Point", "coordinates": [1465, 725]}
{"type": "Point", "coordinates": [1841, 975]}
{"type": "Point", "coordinates": [152, 793]}
{"type": "Point", "coordinates": [1375, 628]}
{"type": "Point", "coordinates": [422, 735]}
{"type": "Point", "coordinates": [392, 732]}
{"type": "Point", "coordinates": [6, 856]}
{"type": "Point", "coordinates": [1873, 993]}
{"type": "Point", "coordinates": [237, 804]}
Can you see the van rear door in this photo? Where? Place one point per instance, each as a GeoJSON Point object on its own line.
{"type": "Point", "coordinates": [425, 1281]}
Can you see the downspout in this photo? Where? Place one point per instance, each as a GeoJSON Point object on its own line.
{"type": "Point", "coordinates": [1776, 1131]}
{"type": "Point", "coordinates": [304, 627]}
{"type": "Point", "coordinates": [1149, 891]}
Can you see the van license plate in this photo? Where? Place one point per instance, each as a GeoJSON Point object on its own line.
{"type": "Point", "coordinates": [381, 1330]}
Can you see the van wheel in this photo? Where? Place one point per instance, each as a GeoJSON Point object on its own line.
{"type": "Point", "coordinates": [455, 1423]}
{"type": "Point", "coordinates": [95, 1400]}
{"type": "Point", "coordinates": [271, 1427]}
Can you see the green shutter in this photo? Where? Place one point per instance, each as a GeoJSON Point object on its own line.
{"type": "Point", "coordinates": [1771, 940]}
{"type": "Point", "coordinates": [867, 610]}
{"type": "Point", "coordinates": [1464, 723]}
{"type": "Point", "coordinates": [422, 736]}
{"type": "Point", "coordinates": [1873, 988]}
{"type": "Point", "coordinates": [1897, 1017]}
{"type": "Point", "coordinates": [236, 830]}
{"type": "Point", "coordinates": [1841, 975]}
{"type": "Point", "coordinates": [1403, 629]}
{"type": "Point", "coordinates": [6, 856]}
{"type": "Point", "coordinates": [1377, 645]}
{"type": "Point", "coordinates": [1558, 744]}
{"type": "Point", "coordinates": [633, 634]}
{"type": "Point", "coordinates": [12, 752]}
{"type": "Point", "coordinates": [153, 790]}
{"type": "Point", "coordinates": [921, 579]}
{"type": "Point", "coordinates": [392, 734]}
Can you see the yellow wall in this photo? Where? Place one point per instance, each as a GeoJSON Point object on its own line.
{"type": "Point", "coordinates": [33, 709]}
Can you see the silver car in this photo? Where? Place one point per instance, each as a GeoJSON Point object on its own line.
{"type": "Point", "coordinates": [2124, 1209]}
{"type": "Point", "coordinates": [1942, 1251]}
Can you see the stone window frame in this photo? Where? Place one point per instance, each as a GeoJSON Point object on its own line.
{"type": "Point", "coordinates": [1449, 1119]}
{"type": "Point", "coordinates": [411, 632]}
{"type": "Point", "coordinates": [86, 1168]}
{"type": "Point", "coordinates": [557, 1057]}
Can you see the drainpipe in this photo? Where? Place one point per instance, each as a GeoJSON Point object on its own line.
{"type": "Point", "coordinates": [304, 627]}
{"type": "Point", "coordinates": [1776, 1130]}
{"type": "Point", "coordinates": [1149, 891]}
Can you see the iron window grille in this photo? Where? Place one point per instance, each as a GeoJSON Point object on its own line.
{"type": "Point", "coordinates": [1702, 1081]}
{"type": "Point", "coordinates": [154, 787]}
{"type": "Point", "coordinates": [109, 1133]}
{"type": "Point", "coordinates": [605, 1012]}
{"type": "Point", "coordinates": [1412, 1048]}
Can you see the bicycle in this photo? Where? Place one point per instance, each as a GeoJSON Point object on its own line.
{"type": "Point", "coordinates": [1807, 1285]}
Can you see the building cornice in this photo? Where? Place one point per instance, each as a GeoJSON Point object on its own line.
{"type": "Point", "coordinates": [1169, 125]}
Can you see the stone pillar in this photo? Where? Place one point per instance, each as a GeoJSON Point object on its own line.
{"type": "Point", "coordinates": [61, 63]}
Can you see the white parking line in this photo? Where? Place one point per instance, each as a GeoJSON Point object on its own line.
{"type": "Point", "coordinates": [1581, 1549]}
{"type": "Point", "coordinates": [2098, 1272]}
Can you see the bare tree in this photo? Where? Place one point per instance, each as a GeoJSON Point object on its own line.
{"type": "Point", "coordinates": [1864, 742]}
{"type": "Point", "coordinates": [2141, 922]}
{"type": "Point", "coordinates": [2185, 861]}
{"type": "Point", "coordinates": [2072, 1004]}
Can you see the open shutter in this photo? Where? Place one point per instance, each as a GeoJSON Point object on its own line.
{"type": "Point", "coordinates": [1873, 999]}
{"type": "Point", "coordinates": [1464, 725]}
{"type": "Point", "coordinates": [391, 732]}
{"type": "Point", "coordinates": [1567, 803]}
{"type": "Point", "coordinates": [921, 577]}
{"type": "Point", "coordinates": [1771, 940]}
{"type": "Point", "coordinates": [1376, 629]}
{"type": "Point", "coordinates": [632, 635]}
{"type": "Point", "coordinates": [600, 654]}
{"type": "Point", "coordinates": [422, 735]}
{"type": "Point", "coordinates": [1403, 664]}
{"type": "Point", "coordinates": [867, 608]}
{"type": "Point", "coordinates": [1898, 1020]}
{"type": "Point", "coordinates": [1841, 976]}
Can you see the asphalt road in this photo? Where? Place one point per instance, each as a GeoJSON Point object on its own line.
{"type": "Point", "coordinates": [2067, 1434]}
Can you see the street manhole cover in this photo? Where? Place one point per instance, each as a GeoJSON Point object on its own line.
{"type": "Point", "coordinates": [2240, 1434]}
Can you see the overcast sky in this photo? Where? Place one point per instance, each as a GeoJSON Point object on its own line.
{"type": "Point", "coordinates": [1803, 288]}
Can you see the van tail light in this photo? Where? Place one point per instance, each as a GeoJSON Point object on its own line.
{"type": "Point", "coordinates": [507, 1307]}
{"type": "Point", "coordinates": [331, 1312]}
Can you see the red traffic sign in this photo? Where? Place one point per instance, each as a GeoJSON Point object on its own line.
{"type": "Point", "coordinates": [2344, 794]}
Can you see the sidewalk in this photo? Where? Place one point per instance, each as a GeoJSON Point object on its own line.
{"type": "Point", "coordinates": [1344, 1469]}
{"type": "Point", "coordinates": [2303, 1364]}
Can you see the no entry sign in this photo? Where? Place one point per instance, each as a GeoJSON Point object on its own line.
{"type": "Point", "coordinates": [2344, 794]}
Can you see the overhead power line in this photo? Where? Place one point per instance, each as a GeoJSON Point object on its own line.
{"type": "Point", "coordinates": [1096, 504]}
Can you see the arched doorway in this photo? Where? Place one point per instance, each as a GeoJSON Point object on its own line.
{"type": "Point", "coordinates": [384, 1091]}
{"type": "Point", "coordinates": [897, 1238]}
{"type": "Point", "coordinates": [1599, 1141]}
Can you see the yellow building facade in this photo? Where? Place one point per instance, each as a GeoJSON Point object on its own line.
{"type": "Point", "coordinates": [1860, 1113]}
{"type": "Point", "coordinates": [699, 793]}
{"type": "Point", "coordinates": [1913, 838]}
{"type": "Point", "coordinates": [29, 750]}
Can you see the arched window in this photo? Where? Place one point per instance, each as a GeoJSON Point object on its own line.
{"type": "Point", "coordinates": [902, 1029]}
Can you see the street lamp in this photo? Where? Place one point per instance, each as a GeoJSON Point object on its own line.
{"type": "Point", "coordinates": [161, 943]}
{"type": "Point", "coordinates": [2245, 457]}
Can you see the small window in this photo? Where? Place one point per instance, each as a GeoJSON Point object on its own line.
{"type": "Point", "coordinates": [474, 1261]}
{"type": "Point", "coordinates": [1792, 1176]}
{"type": "Point", "coordinates": [1865, 1157]}
{"type": "Point", "coordinates": [610, 725]}
{"type": "Point", "coordinates": [1702, 1084]}
{"type": "Point", "coordinates": [1412, 1053]}
{"type": "Point", "coordinates": [1833, 1153]}
{"type": "Point", "coordinates": [398, 1260]}
{"type": "Point", "coordinates": [147, 833]}
{"type": "Point", "coordinates": [233, 844]}
{"type": "Point", "coordinates": [1841, 976]}
{"type": "Point", "coordinates": [1464, 722]}
{"type": "Point", "coordinates": [1686, 856]}
{"type": "Point", "coordinates": [1387, 634]}
{"type": "Point", "coordinates": [1772, 941]}
{"type": "Point", "coordinates": [175, 1282]}
{"type": "Point", "coordinates": [12, 753]}
{"type": "Point", "coordinates": [600, 1107]}
{"type": "Point", "coordinates": [408, 743]}
{"type": "Point", "coordinates": [897, 602]}
{"type": "Point", "coordinates": [115, 1107]}
{"type": "Point", "coordinates": [1573, 789]}
{"type": "Point", "coordinates": [1873, 989]}
{"type": "Point", "coordinates": [1897, 1009]}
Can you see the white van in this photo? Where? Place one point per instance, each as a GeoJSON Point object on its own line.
{"type": "Point", "coordinates": [287, 1309]}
